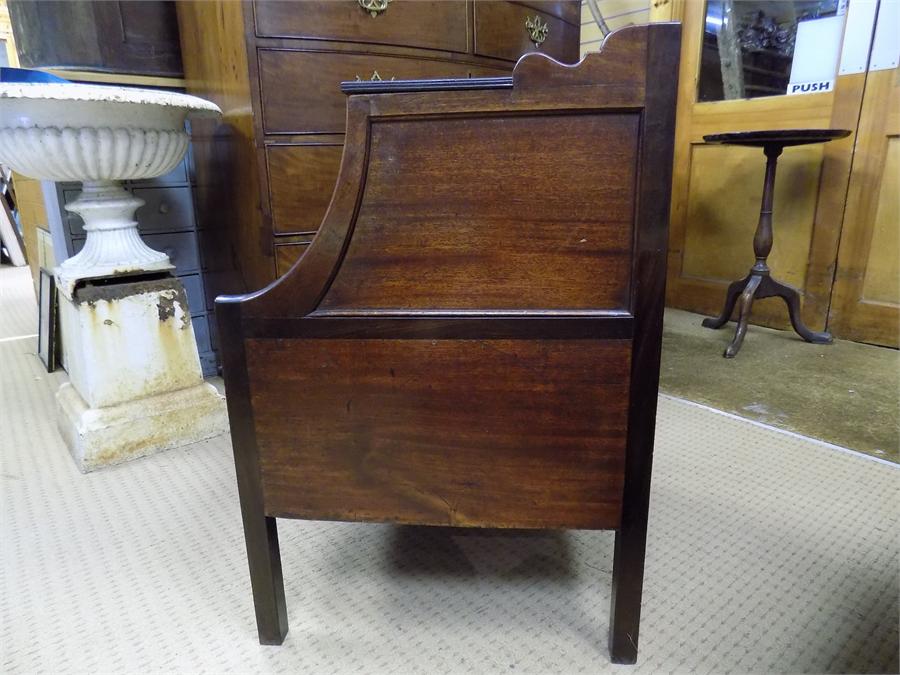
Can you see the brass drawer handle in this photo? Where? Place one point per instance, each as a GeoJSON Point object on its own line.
{"type": "Point", "coordinates": [374, 7]}
{"type": "Point", "coordinates": [375, 77]}
{"type": "Point", "coordinates": [538, 30]}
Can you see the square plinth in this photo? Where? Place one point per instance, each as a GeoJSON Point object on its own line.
{"type": "Point", "coordinates": [128, 340]}
{"type": "Point", "coordinates": [99, 437]}
{"type": "Point", "coordinates": [135, 381]}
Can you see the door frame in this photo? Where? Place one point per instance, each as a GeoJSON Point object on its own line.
{"type": "Point", "coordinates": [851, 315]}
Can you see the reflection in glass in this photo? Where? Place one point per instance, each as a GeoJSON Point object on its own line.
{"type": "Point", "coordinates": [748, 45]}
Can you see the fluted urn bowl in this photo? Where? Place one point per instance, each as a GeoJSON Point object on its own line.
{"type": "Point", "coordinates": [99, 135]}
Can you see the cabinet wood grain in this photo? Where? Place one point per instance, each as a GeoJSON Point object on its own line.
{"type": "Point", "coordinates": [301, 179]}
{"type": "Point", "coordinates": [501, 31]}
{"type": "Point", "coordinates": [290, 250]}
{"type": "Point", "coordinates": [301, 90]}
{"type": "Point", "coordinates": [504, 208]}
{"type": "Point", "coordinates": [409, 23]}
{"type": "Point", "coordinates": [516, 433]}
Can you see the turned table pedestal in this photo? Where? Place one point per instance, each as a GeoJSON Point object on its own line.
{"type": "Point", "coordinates": [759, 282]}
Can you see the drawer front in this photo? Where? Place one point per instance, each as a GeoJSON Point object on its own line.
{"type": "Point", "coordinates": [201, 333]}
{"type": "Point", "coordinates": [178, 175]}
{"type": "Point", "coordinates": [166, 209]}
{"type": "Point", "coordinates": [73, 221]}
{"type": "Point", "coordinates": [485, 71]}
{"type": "Point", "coordinates": [567, 10]}
{"type": "Point", "coordinates": [208, 365]}
{"type": "Point", "coordinates": [410, 23]}
{"type": "Point", "coordinates": [502, 31]}
{"type": "Point", "coordinates": [181, 247]}
{"type": "Point", "coordinates": [289, 253]}
{"type": "Point", "coordinates": [193, 288]}
{"type": "Point", "coordinates": [301, 180]}
{"type": "Point", "coordinates": [301, 91]}
{"type": "Point", "coordinates": [213, 328]}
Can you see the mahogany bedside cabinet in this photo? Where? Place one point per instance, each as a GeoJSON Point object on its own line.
{"type": "Point", "coordinates": [473, 337]}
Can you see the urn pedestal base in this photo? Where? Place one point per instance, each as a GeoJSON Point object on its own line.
{"type": "Point", "coordinates": [113, 246]}
{"type": "Point", "coordinates": [135, 381]}
{"type": "Point", "coordinates": [99, 437]}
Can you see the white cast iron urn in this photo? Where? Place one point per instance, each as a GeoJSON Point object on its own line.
{"type": "Point", "coordinates": [135, 383]}
{"type": "Point", "coordinates": [99, 135]}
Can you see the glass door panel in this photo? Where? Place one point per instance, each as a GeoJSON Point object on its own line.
{"type": "Point", "coordinates": [750, 47]}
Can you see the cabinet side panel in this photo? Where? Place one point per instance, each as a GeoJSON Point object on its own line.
{"type": "Point", "coordinates": [494, 433]}
{"type": "Point", "coordinates": [528, 212]}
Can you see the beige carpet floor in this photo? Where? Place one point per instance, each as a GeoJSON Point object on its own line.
{"type": "Point", "coordinates": [767, 552]}
{"type": "Point", "coordinates": [18, 306]}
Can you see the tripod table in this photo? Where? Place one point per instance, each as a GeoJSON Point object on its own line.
{"type": "Point", "coordinates": [759, 282]}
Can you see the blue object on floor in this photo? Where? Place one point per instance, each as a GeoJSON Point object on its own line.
{"type": "Point", "coordinates": [27, 75]}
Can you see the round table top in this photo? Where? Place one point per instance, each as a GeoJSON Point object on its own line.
{"type": "Point", "coordinates": [782, 137]}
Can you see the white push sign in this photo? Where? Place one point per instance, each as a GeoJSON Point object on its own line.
{"type": "Point", "coordinates": [810, 87]}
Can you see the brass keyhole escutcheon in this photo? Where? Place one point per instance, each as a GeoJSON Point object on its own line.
{"type": "Point", "coordinates": [374, 7]}
{"type": "Point", "coordinates": [538, 29]}
{"type": "Point", "coordinates": [375, 77]}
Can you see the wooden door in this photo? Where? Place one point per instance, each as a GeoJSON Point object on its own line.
{"type": "Point", "coordinates": [866, 297]}
{"type": "Point", "coordinates": [716, 189]}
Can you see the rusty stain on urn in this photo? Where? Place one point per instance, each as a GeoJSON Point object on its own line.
{"type": "Point", "coordinates": [133, 449]}
{"type": "Point", "coordinates": [170, 291]}
{"type": "Point", "coordinates": [148, 317]}
{"type": "Point", "coordinates": [166, 306]}
{"type": "Point", "coordinates": [92, 292]}
{"type": "Point", "coordinates": [170, 301]}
